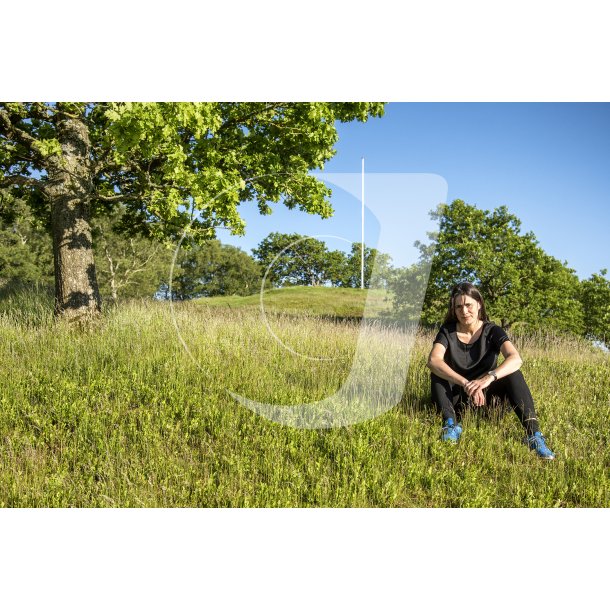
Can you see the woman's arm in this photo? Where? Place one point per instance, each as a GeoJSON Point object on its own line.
{"type": "Point", "coordinates": [436, 363]}
{"type": "Point", "coordinates": [512, 362]}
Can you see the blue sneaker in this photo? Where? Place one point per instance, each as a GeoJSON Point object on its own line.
{"type": "Point", "coordinates": [451, 431]}
{"type": "Point", "coordinates": [537, 443]}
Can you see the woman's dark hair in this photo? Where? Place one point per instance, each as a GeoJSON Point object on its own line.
{"type": "Point", "coordinates": [469, 290]}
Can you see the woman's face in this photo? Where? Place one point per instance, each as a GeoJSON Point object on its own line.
{"type": "Point", "coordinates": [466, 309]}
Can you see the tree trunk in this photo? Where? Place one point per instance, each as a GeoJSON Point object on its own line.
{"type": "Point", "coordinates": [69, 187]}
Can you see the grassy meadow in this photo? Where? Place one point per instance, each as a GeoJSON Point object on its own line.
{"type": "Point", "coordinates": [135, 412]}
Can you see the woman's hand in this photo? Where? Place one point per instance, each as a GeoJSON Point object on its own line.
{"type": "Point", "coordinates": [478, 398]}
{"type": "Point", "coordinates": [476, 385]}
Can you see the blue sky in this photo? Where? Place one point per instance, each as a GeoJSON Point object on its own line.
{"type": "Point", "coordinates": [547, 162]}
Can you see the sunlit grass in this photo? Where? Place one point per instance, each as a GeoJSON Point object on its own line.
{"type": "Point", "coordinates": [125, 414]}
{"type": "Point", "coordinates": [321, 301]}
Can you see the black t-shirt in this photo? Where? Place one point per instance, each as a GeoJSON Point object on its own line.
{"type": "Point", "coordinates": [472, 360]}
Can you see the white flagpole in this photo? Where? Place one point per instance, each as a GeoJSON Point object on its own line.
{"type": "Point", "coordinates": [362, 244]}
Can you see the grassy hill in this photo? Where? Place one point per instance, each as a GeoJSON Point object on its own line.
{"type": "Point", "coordinates": [307, 300]}
{"type": "Point", "coordinates": [137, 412]}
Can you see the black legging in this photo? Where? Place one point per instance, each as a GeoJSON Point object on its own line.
{"type": "Point", "coordinates": [450, 397]}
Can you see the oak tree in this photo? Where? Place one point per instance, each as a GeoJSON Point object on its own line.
{"type": "Point", "coordinates": [214, 269]}
{"type": "Point", "coordinates": [595, 299]}
{"type": "Point", "coordinates": [521, 284]}
{"type": "Point", "coordinates": [175, 167]}
{"type": "Point", "coordinates": [294, 260]}
{"type": "Point", "coordinates": [373, 259]}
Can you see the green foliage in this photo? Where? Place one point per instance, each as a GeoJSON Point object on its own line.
{"type": "Point", "coordinates": [174, 166]}
{"type": "Point", "coordinates": [297, 260]}
{"type": "Point", "coordinates": [373, 260]}
{"type": "Point", "coordinates": [521, 284]}
{"type": "Point", "coordinates": [211, 269]}
{"type": "Point", "coordinates": [336, 268]}
{"type": "Point", "coordinates": [595, 298]}
{"type": "Point", "coordinates": [128, 266]}
{"type": "Point", "coordinates": [164, 159]}
{"type": "Point", "coordinates": [48, 148]}
{"type": "Point", "coordinates": [25, 247]}
{"type": "Point", "coordinates": [408, 288]}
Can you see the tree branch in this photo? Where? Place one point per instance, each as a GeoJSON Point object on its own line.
{"type": "Point", "coordinates": [41, 111]}
{"type": "Point", "coordinates": [19, 135]}
{"type": "Point", "coordinates": [112, 198]}
{"type": "Point", "coordinates": [104, 164]}
{"type": "Point", "coordinates": [19, 181]}
{"type": "Point", "coordinates": [238, 120]}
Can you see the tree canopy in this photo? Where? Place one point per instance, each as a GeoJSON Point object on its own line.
{"type": "Point", "coordinates": [294, 259]}
{"type": "Point", "coordinates": [521, 284]}
{"type": "Point", "coordinates": [26, 256]}
{"type": "Point", "coordinates": [175, 167]}
{"type": "Point", "coordinates": [214, 269]}
{"type": "Point", "coordinates": [595, 298]}
{"type": "Point", "coordinates": [374, 260]}
{"type": "Point", "coordinates": [128, 266]}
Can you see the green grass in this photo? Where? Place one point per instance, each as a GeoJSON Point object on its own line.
{"type": "Point", "coordinates": [303, 300]}
{"type": "Point", "coordinates": [124, 415]}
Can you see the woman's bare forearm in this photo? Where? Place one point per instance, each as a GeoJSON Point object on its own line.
{"type": "Point", "coordinates": [511, 364]}
{"type": "Point", "coordinates": [441, 369]}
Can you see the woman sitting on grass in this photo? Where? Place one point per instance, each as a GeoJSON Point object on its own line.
{"type": "Point", "coordinates": [464, 368]}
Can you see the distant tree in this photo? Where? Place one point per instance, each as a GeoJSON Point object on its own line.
{"type": "Point", "coordinates": [172, 164]}
{"type": "Point", "coordinates": [128, 266]}
{"type": "Point", "coordinates": [26, 255]}
{"type": "Point", "coordinates": [295, 260]}
{"type": "Point", "coordinates": [408, 287]}
{"type": "Point", "coordinates": [337, 271]}
{"type": "Point", "coordinates": [373, 259]}
{"type": "Point", "coordinates": [213, 269]}
{"type": "Point", "coordinates": [595, 299]}
{"type": "Point", "coordinates": [520, 282]}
